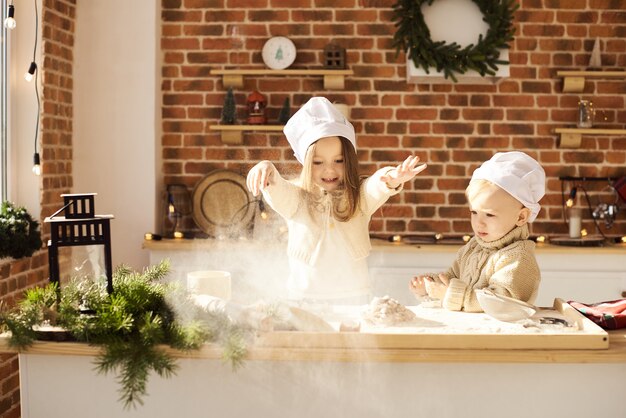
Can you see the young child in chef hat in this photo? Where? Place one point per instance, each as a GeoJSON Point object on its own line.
{"type": "Point", "coordinates": [503, 197]}
{"type": "Point", "coordinates": [329, 207]}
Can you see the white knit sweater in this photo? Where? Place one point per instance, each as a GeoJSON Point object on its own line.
{"type": "Point", "coordinates": [305, 228]}
{"type": "Point", "coordinates": [506, 266]}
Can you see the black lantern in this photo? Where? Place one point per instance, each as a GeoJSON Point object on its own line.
{"type": "Point", "coordinates": [79, 227]}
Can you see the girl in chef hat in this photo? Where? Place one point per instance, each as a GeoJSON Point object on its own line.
{"type": "Point", "coordinates": [503, 197]}
{"type": "Point", "coordinates": [329, 207]}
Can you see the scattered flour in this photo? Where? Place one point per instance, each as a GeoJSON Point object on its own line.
{"type": "Point", "coordinates": [387, 311]}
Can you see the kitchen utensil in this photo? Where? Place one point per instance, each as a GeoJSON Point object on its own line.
{"type": "Point", "coordinates": [222, 204]}
{"type": "Point", "coordinates": [504, 308]}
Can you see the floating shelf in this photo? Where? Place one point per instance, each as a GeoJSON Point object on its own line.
{"type": "Point", "coordinates": [333, 79]}
{"type": "Point", "coordinates": [572, 137]}
{"type": "Point", "coordinates": [232, 134]}
{"type": "Point", "coordinates": [574, 81]}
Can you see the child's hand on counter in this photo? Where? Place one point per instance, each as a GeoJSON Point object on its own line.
{"type": "Point", "coordinates": [437, 288]}
{"type": "Point", "coordinates": [417, 286]}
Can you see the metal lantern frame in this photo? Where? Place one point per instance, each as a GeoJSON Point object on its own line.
{"type": "Point", "coordinates": [79, 227]}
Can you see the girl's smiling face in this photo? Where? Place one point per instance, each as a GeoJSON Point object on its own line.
{"type": "Point", "coordinates": [494, 213]}
{"type": "Point", "coordinates": [328, 164]}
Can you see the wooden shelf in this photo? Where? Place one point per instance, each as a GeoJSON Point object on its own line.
{"type": "Point", "coordinates": [232, 134]}
{"type": "Point", "coordinates": [574, 81]}
{"type": "Point", "coordinates": [333, 79]}
{"type": "Point", "coordinates": [572, 137]}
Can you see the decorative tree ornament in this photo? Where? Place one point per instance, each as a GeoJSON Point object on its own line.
{"type": "Point", "coordinates": [229, 111]}
{"type": "Point", "coordinates": [595, 61]}
{"type": "Point", "coordinates": [285, 112]}
{"type": "Point", "coordinates": [413, 37]}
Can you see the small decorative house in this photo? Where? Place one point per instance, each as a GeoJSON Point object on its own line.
{"type": "Point", "coordinates": [256, 104]}
{"type": "Point", "coordinates": [79, 227]}
{"type": "Point", "coordinates": [334, 57]}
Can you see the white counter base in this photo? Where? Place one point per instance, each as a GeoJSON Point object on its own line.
{"type": "Point", "coordinates": [66, 386]}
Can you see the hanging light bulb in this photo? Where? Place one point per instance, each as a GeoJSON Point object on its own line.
{"type": "Point", "coordinates": [10, 22]}
{"type": "Point", "coordinates": [36, 164]}
{"type": "Point", "coordinates": [28, 75]}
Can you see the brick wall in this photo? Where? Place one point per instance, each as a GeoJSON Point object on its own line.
{"type": "Point", "coordinates": [451, 127]}
{"type": "Point", "coordinates": [57, 26]}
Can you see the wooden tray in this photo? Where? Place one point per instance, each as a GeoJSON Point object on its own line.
{"type": "Point", "coordinates": [488, 333]}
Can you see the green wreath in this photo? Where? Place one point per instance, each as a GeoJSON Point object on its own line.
{"type": "Point", "coordinates": [413, 36]}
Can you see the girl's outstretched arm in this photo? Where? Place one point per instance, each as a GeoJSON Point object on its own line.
{"type": "Point", "coordinates": [260, 176]}
{"type": "Point", "coordinates": [403, 172]}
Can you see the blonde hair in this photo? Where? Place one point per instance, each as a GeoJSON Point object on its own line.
{"type": "Point", "coordinates": [478, 186]}
{"type": "Point", "coordinates": [346, 199]}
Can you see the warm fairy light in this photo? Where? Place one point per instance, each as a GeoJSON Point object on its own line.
{"type": "Point", "coordinates": [466, 238]}
{"type": "Point", "coordinates": [572, 195]}
{"type": "Point", "coordinates": [624, 239]}
{"type": "Point", "coordinates": [264, 215]}
{"type": "Point", "coordinates": [178, 234]}
{"type": "Point", "coordinates": [583, 232]}
{"type": "Point", "coordinates": [541, 238]}
{"type": "Point", "coordinates": [148, 236]}
{"type": "Point", "coordinates": [438, 236]}
{"type": "Point", "coordinates": [396, 238]}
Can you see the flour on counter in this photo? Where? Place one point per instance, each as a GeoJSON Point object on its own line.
{"type": "Point", "coordinates": [387, 311]}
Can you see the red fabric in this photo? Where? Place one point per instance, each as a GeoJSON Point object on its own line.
{"type": "Point", "coordinates": [608, 315]}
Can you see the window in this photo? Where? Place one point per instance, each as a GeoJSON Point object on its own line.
{"type": "Point", "coordinates": [4, 105]}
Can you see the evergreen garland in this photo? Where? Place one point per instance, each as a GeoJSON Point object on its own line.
{"type": "Point", "coordinates": [413, 37]}
{"type": "Point", "coordinates": [131, 325]}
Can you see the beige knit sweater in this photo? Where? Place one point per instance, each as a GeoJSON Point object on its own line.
{"type": "Point", "coordinates": [506, 266]}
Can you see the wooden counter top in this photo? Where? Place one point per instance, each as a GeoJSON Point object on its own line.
{"type": "Point", "coordinates": [377, 245]}
{"type": "Point", "coordinates": [616, 353]}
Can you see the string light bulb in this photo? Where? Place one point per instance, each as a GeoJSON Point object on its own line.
{"type": "Point", "coordinates": [10, 22]}
{"type": "Point", "coordinates": [36, 164]}
{"type": "Point", "coordinates": [572, 195]}
{"type": "Point", "coordinates": [28, 75]}
{"type": "Point", "coordinates": [263, 212]}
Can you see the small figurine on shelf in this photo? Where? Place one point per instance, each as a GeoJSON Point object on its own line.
{"type": "Point", "coordinates": [229, 111]}
{"type": "Point", "coordinates": [334, 57]}
{"type": "Point", "coordinates": [595, 60]}
{"type": "Point", "coordinates": [285, 112]}
{"type": "Point", "coordinates": [256, 103]}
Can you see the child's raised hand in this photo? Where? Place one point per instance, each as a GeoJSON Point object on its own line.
{"type": "Point", "coordinates": [259, 177]}
{"type": "Point", "coordinates": [403, 172]}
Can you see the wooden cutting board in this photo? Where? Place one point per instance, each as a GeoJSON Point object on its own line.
{"type": "Point", "coordinates": [432, 330]}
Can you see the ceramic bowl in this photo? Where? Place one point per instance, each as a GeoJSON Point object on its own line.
{"type": "Point", "coordinates": [504, 308]}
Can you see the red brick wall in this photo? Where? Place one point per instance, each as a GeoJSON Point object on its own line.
{"type": "Point", "coordinates": [55, 71]}
{"type": "Point", "coordinates": [451, 127]}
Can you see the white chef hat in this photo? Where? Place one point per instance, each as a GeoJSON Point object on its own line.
{"type": "Point", "coordinates": [316, 119]}
{"type": "Point", "coordinates": [519, 175]}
